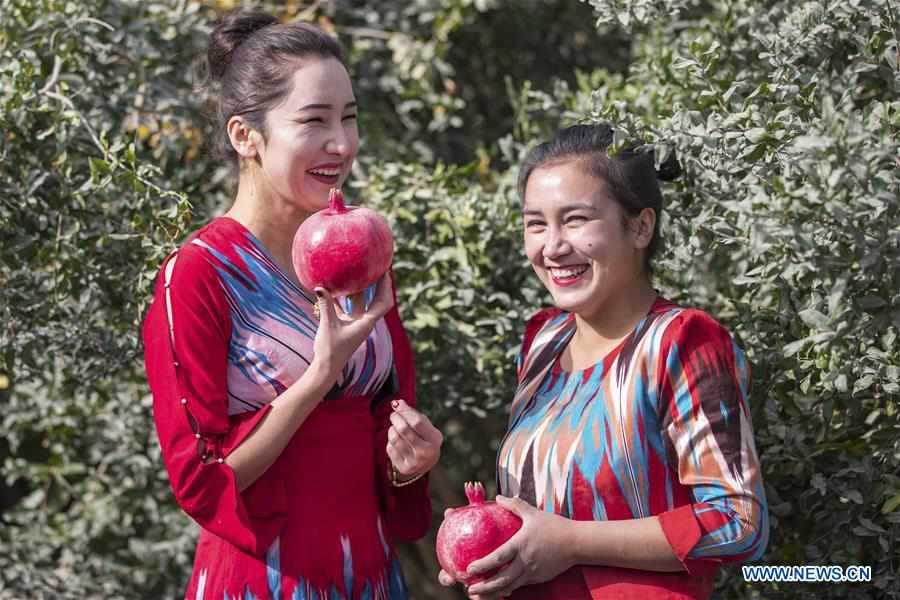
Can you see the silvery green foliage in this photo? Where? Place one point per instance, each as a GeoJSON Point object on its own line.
{"type": "Point", "coordinates": [89, 206]}
{"type": "Point", "coordinates": [431, 75]}
{"type": "Point", "coordinates": [463, 283]}
{"type": "Point", "coordinates": [636, 13]}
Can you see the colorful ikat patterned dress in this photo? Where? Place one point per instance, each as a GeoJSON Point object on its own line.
{"type": "Point", "coordinates": [228, 332]}
{"type": "Point", "coordinates": [659, 427]}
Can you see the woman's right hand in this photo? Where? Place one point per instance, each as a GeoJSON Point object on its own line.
{"type": "Point", "coordinates": [340, 334]}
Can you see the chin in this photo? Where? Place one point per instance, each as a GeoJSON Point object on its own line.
{"type": "Point", "coordinates": [313, 200]}
{"type": "Point", "coordinates": [582, 301]}
{"type": "Point", "coordinates": [567, 303]}
{"type": "Point", "coordinates": [572, 309]}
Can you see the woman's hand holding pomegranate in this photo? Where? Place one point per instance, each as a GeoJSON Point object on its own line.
{"type": "Point", "coordinates": [414, 444]}
{"type": "Point", "coordinates": [338, 336]}
{"type": "Point", "coordinates": [538, 552]}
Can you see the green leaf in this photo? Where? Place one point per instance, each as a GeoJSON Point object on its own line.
{"type": "Point", "coordinates": [812, 142]}
{"type": "Point", "coordinates": [814, 319]}
{"type": "Point", "coordinates": [891, 504]}
{"type": "Point", "coordinates": [794, 347]}
{"type": "Point", "coordinates": [863, 383]}
{"type": "Point", "coordinates": [756, 135]}
{"type": "Point", "coordinates": [871, 302]}
{"type": "Point", "coordinates": [853, 495]}
{"type": "Point", "coordinates": [840, 383]}
{"type": "Point", "coordinates": [818, 482]}
{"type": "Point", "coordinates": [753, 153]}
{"type": "Point", "coordinates": [868, 524]}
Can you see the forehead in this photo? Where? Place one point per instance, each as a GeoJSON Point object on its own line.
{"type": "Point", "coordinates": [317, 80]}
{"type": "Point", "coordinates": [554, 185]}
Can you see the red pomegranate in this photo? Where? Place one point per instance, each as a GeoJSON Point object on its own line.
{"type": "Point", "coordinates": [473, 532]}
{"type": "Point", "coordinates": [341, 249]}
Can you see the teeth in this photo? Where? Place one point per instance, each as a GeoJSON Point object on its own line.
{"type": "Point", "coordinates": [567, 273]}
{"type": "Point", "coordinates": [325, 172]}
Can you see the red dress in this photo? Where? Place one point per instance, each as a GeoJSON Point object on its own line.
{"type": "Point", "coordinates": [227, 332]}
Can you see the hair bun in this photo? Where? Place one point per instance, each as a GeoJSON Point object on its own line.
{"type": "Point", "coordinates": [669, 169]}
{"type": "Point", "coordinates": [232, 30]}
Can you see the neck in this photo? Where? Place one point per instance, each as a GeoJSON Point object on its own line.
{"type": "Point", "coordinates": [269, 218]}
{"type": "Point", "coordinates": [616, 318]}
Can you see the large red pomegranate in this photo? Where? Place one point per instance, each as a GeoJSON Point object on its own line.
{"type": "Point", "coordinates": [473, 532]}
{"type": "Point", "coordinates": [341, 249]}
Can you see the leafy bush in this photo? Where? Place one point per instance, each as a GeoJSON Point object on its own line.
{"type": "Point", "coordinates": [785, 226]}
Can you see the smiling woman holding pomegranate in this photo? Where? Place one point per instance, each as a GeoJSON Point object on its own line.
{"type": "Point", "coordinates": [629, 455]}
{"type": "Point", "coordinates": [291, 438]}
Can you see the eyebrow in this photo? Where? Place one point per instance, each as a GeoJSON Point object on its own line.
{"type": "Point", "coordinates": [564, 208]}
{"type": "Point", "coordinates": [325, 106]}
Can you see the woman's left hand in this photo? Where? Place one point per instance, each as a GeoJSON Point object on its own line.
{"type": "Point", "coordinates": [538, 552]}
{"type": "Point", "coordinates": [414, 444]}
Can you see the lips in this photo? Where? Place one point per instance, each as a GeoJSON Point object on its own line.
{"type": "Point", "coordinates": [568, 275]}
{"type": "Point", "coordinates": [326, 174]}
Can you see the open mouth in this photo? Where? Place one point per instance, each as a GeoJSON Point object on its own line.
{"type": "Point", "coordinates": [568, 275]}
{"type": "Point", "coordinates": [326, 175]}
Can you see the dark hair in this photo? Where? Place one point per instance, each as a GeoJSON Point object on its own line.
{"type": "Point", "coordinates": [252, 55]}
{"type": "Point", "coordinates": [630, 173]}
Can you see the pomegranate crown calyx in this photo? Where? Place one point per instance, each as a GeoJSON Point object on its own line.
{"type": "Point", "coordinates": [474, 492]}
{"type": "Point", "coordinates": [336, 201]}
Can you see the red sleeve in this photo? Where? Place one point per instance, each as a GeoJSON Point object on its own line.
{"type": "Point", "coordinates": [407, 508]}
{"type": "Point", "coordinates": [187, 372]}
{"type": "Point", "coordinates": [705, 415]}
{"type": "Point", "coordinates": [535, 323]}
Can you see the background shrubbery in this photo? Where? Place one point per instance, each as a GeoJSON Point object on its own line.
{"type": "Point", "coordinates": [786, 226]}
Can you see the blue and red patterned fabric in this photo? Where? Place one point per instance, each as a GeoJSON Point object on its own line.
{"type": "Point", "coordinates": [658, 427]}
{"type": "Point", "coordinates": [228, 331]}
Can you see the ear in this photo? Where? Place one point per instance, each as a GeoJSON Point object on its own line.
{"type": "Point", "coordinates": [244, 139]}
{"type": "Point", "coordinates": [642, 227]}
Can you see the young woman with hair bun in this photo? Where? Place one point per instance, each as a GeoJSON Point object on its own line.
{"type": "Point", "coordinates": [291, 438]}
{"type": "Point", "coordinates": [629, 453]}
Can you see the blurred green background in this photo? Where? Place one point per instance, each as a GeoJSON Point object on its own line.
{"type": "Point", "coordinates": [786, 227]}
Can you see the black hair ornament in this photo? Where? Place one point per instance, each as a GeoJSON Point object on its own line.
{"type": "Point", "coordinates": [667, 166]}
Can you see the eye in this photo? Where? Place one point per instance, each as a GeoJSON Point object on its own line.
{"type": "Point", "coordinates": [533, 224]}
{"type": "Point", "coordinates": [349, 117]}
{"type": "Point", "coordinates": [311, 120]}
{"type": "Point", "coordinates": [576, 219]}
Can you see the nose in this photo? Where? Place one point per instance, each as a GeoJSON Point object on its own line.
{"type": "Point", "coordinates": [339, 143]}
{"type": "Point", "coordinates": [556, 244]}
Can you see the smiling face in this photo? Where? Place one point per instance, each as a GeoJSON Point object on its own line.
{"type": "Point", "coordinates": [312, 137]}
{"type": "Point", "coordinates": [577, 240]}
